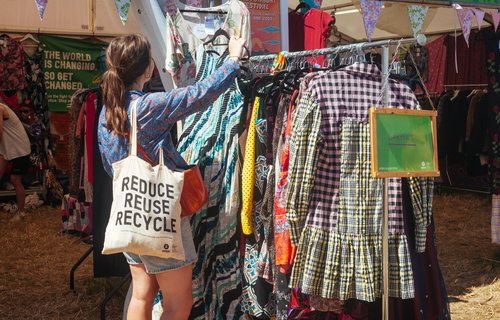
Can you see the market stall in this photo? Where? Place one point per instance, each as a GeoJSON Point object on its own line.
{"type": "Point", "coordinates": [262, 253]}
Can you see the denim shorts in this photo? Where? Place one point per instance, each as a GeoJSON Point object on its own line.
{"type": "Point", "coordinates": [159, 265]}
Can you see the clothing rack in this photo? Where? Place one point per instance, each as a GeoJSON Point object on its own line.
{"type": "Point", "coordinates": [337, 49]}
{"type": "Point", "coordinates": [464, 86]}
{"type": "Point", "coordinates": [357, 47]}
{"type": "Point", "coordinates": [201, 10]}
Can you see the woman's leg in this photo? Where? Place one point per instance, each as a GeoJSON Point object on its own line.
{"type": "Point", "coordinates": [177, 291]}
{"type": "Point", "coordinates": [144, 290]}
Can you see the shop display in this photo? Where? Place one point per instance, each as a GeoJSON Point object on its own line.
{"type": "Point", "coordinates": [293, 224]}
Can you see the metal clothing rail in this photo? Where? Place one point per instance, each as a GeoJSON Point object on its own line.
{"type": "Point", "coordinates": [473, 85]}
{"type": "Point", "coordinates": [356, 47]}
{"type": "Point", "coordinates": [343, 48]}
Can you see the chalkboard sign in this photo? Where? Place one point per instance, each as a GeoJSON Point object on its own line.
{"type": "Point", "coordinates": [403, 143]}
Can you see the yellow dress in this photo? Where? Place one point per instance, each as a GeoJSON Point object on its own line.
{"type": "Point", "coordinates": [248, 173]}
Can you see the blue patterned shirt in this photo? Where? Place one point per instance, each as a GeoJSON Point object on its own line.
{"type": "Point", "coordinates": [158, 112]}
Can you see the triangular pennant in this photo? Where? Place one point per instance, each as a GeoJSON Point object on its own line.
{"type": "Point", "coordinates": [417, 17]}
{"type": "Point", "coordinates": [123, 6]}
{"type": "Point", "coordinates": [465, 16]}
{"type": "Point", "coordinates": [40, 5]}
{"type": "Point", "coordinates": [496, 19]}
{"type": "Point", "coordinates": [479, 17]}
{"type": "Point", "coordinates": [370, 10]}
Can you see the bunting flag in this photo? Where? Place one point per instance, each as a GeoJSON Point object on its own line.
{"type": "Point", "coordinates": [40, 5]}
{"type": "Point", "coordinates": [496, 19]}
{"type": "Point", "coordinates": [417, 17]}
{"type": "Point", "coordinates": [465, 16]}
{"type": "Point", "coordinates": [370, 10]}
{"type": "Point", "coordinates": [479, 17]}
{"type": "Point", "coordinates": [123, 6]}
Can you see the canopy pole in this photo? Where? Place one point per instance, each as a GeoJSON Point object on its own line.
{"type": "Point", "coordinates": [92, 15]}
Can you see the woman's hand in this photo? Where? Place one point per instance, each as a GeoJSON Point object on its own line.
{"type": "Point", "coordinates": [236, 47]}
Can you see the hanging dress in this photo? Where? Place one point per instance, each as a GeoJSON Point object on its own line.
{"type": "Point", "coordinates": [187, 31]}
{"type": "Point", "coordinates": [210, 139]}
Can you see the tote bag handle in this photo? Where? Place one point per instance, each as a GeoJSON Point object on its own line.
{"type": "Point", "coordinates": [133, 129]}
{"type": "Point", "coordinates": [134, 146]}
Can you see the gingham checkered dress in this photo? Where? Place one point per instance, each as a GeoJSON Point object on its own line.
{"type": "Point", "coordinates": [334, 207]}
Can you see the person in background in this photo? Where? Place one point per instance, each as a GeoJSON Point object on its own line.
{"type": "Point", "coordinates": [15, 148]}
{"type": "Point", "coordinates": [130, 66]}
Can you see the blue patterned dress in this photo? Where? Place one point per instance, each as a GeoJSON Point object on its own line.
{"type": "Point", "coordinates": [210, 139]}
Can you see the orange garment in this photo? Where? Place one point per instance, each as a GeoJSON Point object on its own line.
{"type": "Point", "coordinates": [285, 252]}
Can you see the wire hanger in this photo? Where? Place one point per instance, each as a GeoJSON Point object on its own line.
{"type": "Point", "coordinates": [219, 33]}
{"type": "Point", "coordinates": [302, 5]}
{"type": "Point", "coordinates": [29, 36]}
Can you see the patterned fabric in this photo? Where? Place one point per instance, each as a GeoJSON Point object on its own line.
{"type": "Point", "coordinates": [495, 219]}
{"type": "Point", "coordinates": [436, 65]}
{"type": "Point", "coordinates": [210, 139]}
{"type": "Point", "coordinates": [123, 6]}
{"type": "Point", "coordinates": [330, 260]}
{"type": "Point", "coordinates": [12, 72]}
{"type": "Point", "coordinates": [326, 305]}
{"type": "Point", "coordinates": [471, 63]}
{"type": "Point", "coordinates": [258, 298]}
{"type": "Point", "coordinates": [35, 86]}
{"type": "Point", "coordinates": [248, 173]}
{"type": "Point", "coordinates": [284, 250]}
{"type": "Point", "coordinates": [417, 17]}
{"type": "Point", "coordinates": [493, 95]}
{"type": "Point", "coordinates": [370, 10]}
{"type": "Point", "coordinates": [303, 156]}
{"type": "Point", "coordinates": [158, 112]}
{"type": "Point", "coordinates": [40, 5]}
{"type": "Point", "coordinates": [465, 16]}
{"type": "Point", "coordinates": [187, 31]}
{"type": "Point", "coordinates": [421, 193]}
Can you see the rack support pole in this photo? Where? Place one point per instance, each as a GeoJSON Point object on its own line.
{"type": "Point", "coordinates": [75, 266]}
{"type": "Point", "coordinates": [385, 216]}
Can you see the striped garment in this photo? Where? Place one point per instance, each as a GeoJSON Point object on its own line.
{"type": "Point", "coordinates": [421, 194]}
{"type": "Point", "coordinates": [334, 206]}
{"type": "Point", "coordinates": [210, 139]}
{"type": "Point", "coordinates": [495, 218]}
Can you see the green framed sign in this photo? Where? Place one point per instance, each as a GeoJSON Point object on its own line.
{"type": "Point", "coordinates": [403, 143]}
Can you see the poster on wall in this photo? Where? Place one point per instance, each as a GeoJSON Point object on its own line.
{"type": "Point", "coordinates": [265, 25]}
{"type": "Point", "coordinates": [69, 65]}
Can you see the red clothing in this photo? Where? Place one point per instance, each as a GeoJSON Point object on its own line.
{"type": "Point", "coordinates": [471, 66]}
{"type": "Point", "coordinates": [12, 69]}
{"type": "Point", "coordinates": [12, 101]}
{"type": "Point", "coordinates": [316, 30]}
{"type": "Point", "coordinates": [90, 106]}
{"type": "Point", "coordinates": [436, 65]}
{"type": "Point", "coordinates": [295, 31]}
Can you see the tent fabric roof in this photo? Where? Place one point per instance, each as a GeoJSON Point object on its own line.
{"type": "Point", "coordinates": [64, 17]}
{"type": "Point", "coordinates": [74, 17]}
{"type": "Point", "coordinates": [393, 21]}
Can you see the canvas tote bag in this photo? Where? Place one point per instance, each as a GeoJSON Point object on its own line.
{"type": "Point", "coordinates": [145, 216]}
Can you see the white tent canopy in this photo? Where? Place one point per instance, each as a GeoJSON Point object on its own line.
{"type": "Point", "coordinates": [393, 21]}
{"type": "Point", "coordinates": [99, 18]}
{"type": "Point", "coordinates": [65, 17]}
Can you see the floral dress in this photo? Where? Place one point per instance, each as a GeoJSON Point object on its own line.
{"type": "Point", "coordinates": [187, 31]}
